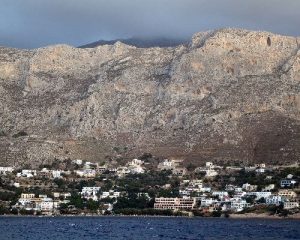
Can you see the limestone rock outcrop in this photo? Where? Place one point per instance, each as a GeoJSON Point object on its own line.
{"type": "Point", "coordinates": [230, 95]}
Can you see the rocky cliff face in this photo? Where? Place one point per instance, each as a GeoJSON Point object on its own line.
{"type": "Point", "coordinates": [230, 95]}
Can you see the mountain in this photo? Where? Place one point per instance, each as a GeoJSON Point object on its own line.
{"type": "Point", "coordinates": [230, 95]}
{"type": "Point", "coordinates": [140, 42]}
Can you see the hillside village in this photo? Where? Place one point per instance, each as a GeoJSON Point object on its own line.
{"type": "Point", "coordinates": [146, 187]}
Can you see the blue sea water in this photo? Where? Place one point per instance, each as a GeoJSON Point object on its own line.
{"type": "Point", "coordinates": [81, 228]}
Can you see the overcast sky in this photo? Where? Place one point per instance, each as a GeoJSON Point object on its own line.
{"type": "Point", "coordinates": [35, 23]}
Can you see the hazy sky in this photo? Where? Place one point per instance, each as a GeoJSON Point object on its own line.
{"type": "Point", "coordinates": [35, 23]}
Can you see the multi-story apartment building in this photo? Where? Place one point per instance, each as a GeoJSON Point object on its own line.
{"type": "Point", "coordinates": [175, 203]}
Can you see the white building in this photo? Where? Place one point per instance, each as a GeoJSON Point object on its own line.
{"type": "Point", "coordinates": [287, 183]}
{"type": "Point", "coordinates": [196, 183]}
{"type": "Point", "coordinates": [62, 195]}
{"type": "Point", "coordinates": [260, 195]}
{"type": "Point", "coordinates": [5, 170]}
{"type": "Point", "coordinates": [206, 189]}
{"type": "Point", "coordinates": [211, 173]}
{"type": "Point", "coordinates": [208, 202]}
{"type": "Point", "coordinates": [260, 170]}
{"type": "Point", "coordinates": [88, 173]}
{"type": "Point", "coordinates": [90, 193]}
{"type": "Point", "coordinates": [166, 165]}
{"type": "Point", "coordinates": [290, 205]}
{"type": "Point", "coordinates": [179, 171]}
{"type": "Point", "coordinates": [220, 194]}
{"type": "Point", "coordinates": [110, 194]}
{"type": "Point", "coordinates": [26, 198]}
{"type": "Point", "coordinates": [275, 200]}
{"type": "Point", "coordinates": [269, 187]}
{"type": "Point", "coordinates": [77, 162]}
{"type": "Point", "coordinates": [122, 171]}
{"type": "Point", "coordinates": [136, 162]}
{"type": "Point", "coordinates": [260, 165]}
{"type": "Point", "coordinates": [209, 165]}
{"type": "Point", "coordinates": [175, 203]}
{"type": "Point", "coordinates": [248, 187]}
{"type": "Point", "coordinates": [47, 204]}
{"type": "Point", "coordinates": [239, 205]}
{"type": "Point", "coordinates": [56, 173]}
{"type": "Point", "coordinates": [136, 169]}
{"type": "Point", "coordinates": [28, 173]}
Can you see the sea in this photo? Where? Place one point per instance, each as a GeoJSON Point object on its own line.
{"type": "Point", "coordinates": [82, 228]}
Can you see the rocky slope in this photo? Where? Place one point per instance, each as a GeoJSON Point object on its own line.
{"type": "Point", "coordinates": [230, 95]}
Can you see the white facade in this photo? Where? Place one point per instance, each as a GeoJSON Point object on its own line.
{"type": "Point", "coordinates": [90, 192]}
{"type": "Point", "coordinates": [260, 195]}
{"type": "Point", "coordinates": [88, 173]}
{"type": "Point", "coordinates": [239, 205]}
{"type": "Point", "coordinates": [249, 187]}
{"type": "Point", "coordinates": [5, 170]}
{"type": "Point", "coordinates": [47, 204]}
{"type": "Point", "coordinates": [211, 173]}
{"type": "Point", "coordinates": [110, 194]}
{"type": "Point", "coordinates": [77, 162]}
{"type": "Point", "coordinates": [136, 162]}
{"type": "Point", "coordinates": [290, 205]}
{"type": "Point", "coordinates": [220, 194]}
{"type": "Point", "coordinates": [269, 187]}
{"type": "Point", "coordinates": [260, 170]}
{"type": "Point", "coordinates": [209, 165]}
{"type": "Point", "coordinates": [28, 173]}
{"type": "Point", "coordinates": [56, 173]}
{"type": "Point", "coordinates": [287, 182]}
{"type": "Point", "coordinates": [275, 200]}
{"type": "Point", "coordinates": [136, 170]}
{"type": "Point", "coordinates": [207, 202]}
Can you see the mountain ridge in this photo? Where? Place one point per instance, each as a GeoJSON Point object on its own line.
{"type": "Point", "coordinates": [231, 95]}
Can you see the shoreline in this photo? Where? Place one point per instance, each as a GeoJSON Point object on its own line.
{"type": "Point", "coordinates": [231, 216]}
{"type": "Point", "coordinates": [263, 216]}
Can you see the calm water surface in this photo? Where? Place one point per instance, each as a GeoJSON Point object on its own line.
{"type": "Point", "coordinates": [79, 228]}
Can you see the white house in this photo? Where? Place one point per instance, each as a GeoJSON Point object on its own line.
{"type": "Point", "coordinates": [5, 170]}
{"type": "Point", "coordinates": [248, 187]}
{"type": "Point", "coordinates": [260, 170]}
{"type": "Point", "coordinates": [122, 171]}
{"type": "Point", "coordinates": [287, 183]}
{"type": "Point", "coordinates": [274, 200]}
{"type": "Point", "coordinates": [56, 173]}
{"type": "Point", "coordinates": [239, 205]}
{"type": "Point", "coordinates": [206, 189]}
{"type": "Point", "coordinates": [207, 202]}
{"type": "Point", "coordinates": [88, 173]}
{"type": "Point", "coordinates": [211, 173]}
{"type": "Point", "coordinates": [220, 194]}
{"type": "Point", "coordinates": [90, 192]}
{"type": "Point", "coordinates": [269, 187]}
{"type": "Point", "coordinates": [136, 169]}
{"type": "Point", "coordinates": [136, 162]}
{"type": "Point", "coordinates": [260, 195]}
{"type": "Point", "coordinates": [290, 205]}
{"type": "Point", "coordinates": [166, 165]}
{"type": "Point", "coordinates": [28, 173]}
{"type": "Point", "coordinates": [47, 204]}
{"type": "Point", "coordinates": [209, 165]}
{"type": "Point", "coordinates": [77, 162]}
{"type": "Point", "coordinates": [110, 194]}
